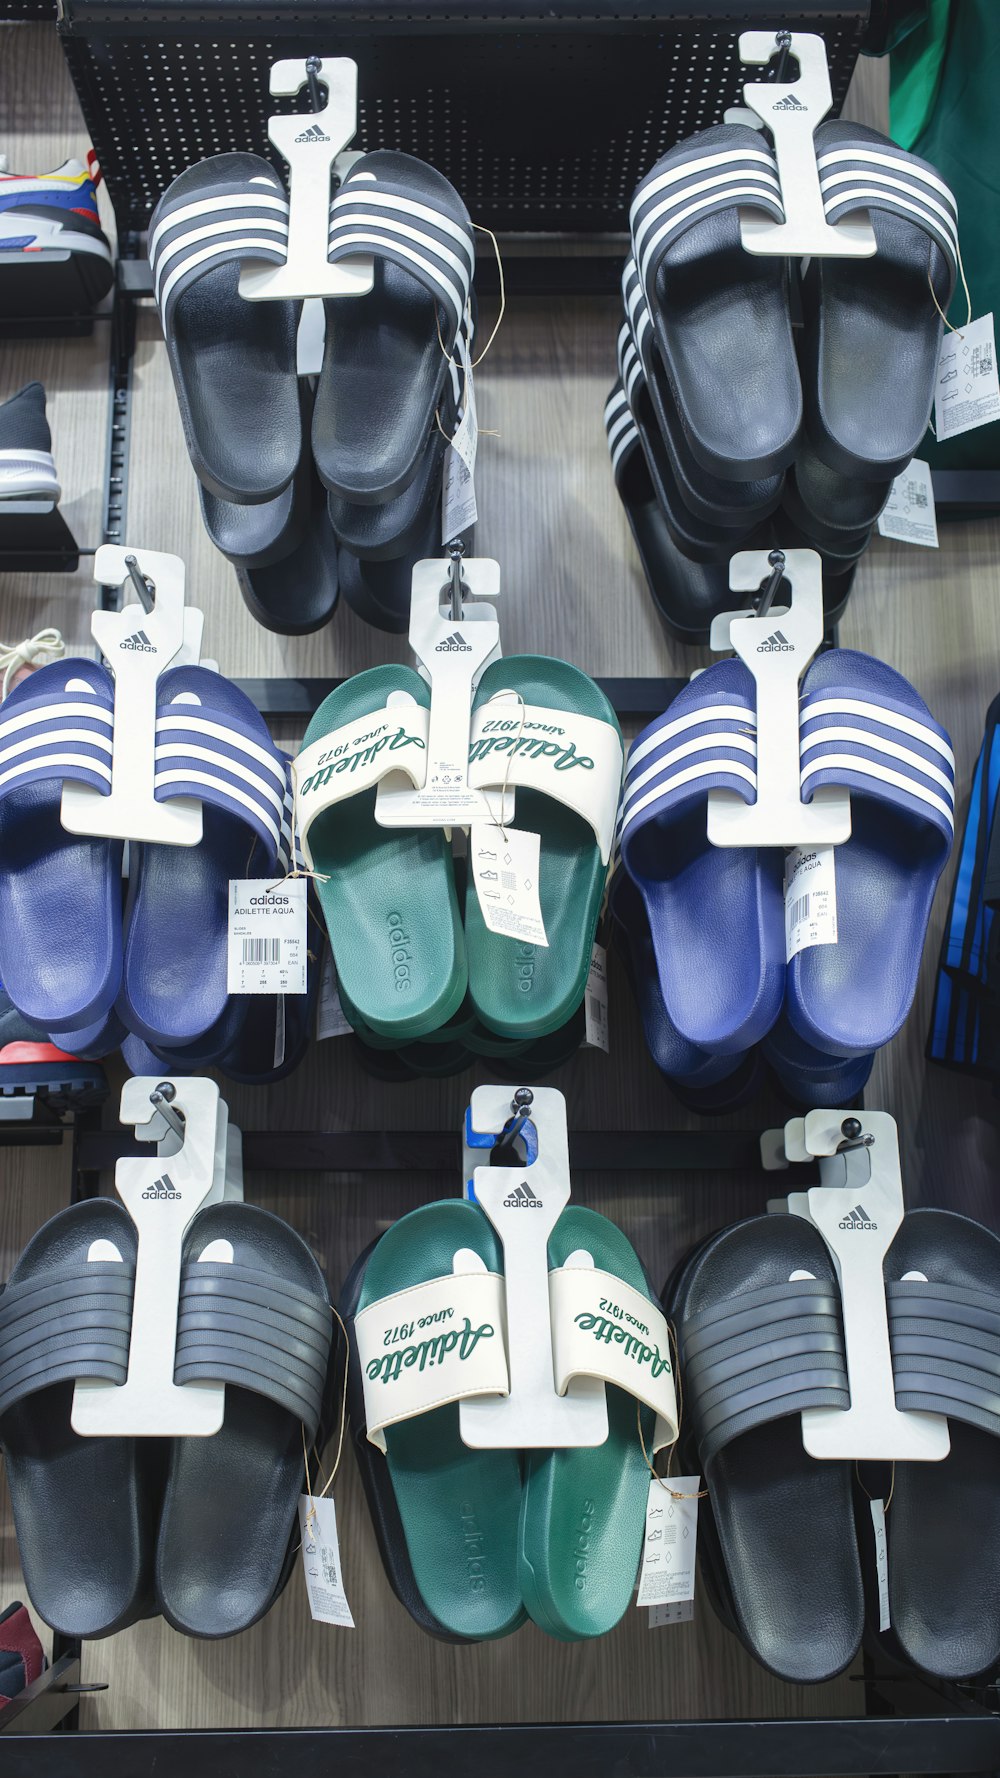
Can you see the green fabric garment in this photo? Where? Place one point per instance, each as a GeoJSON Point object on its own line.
{"type": "Point", "coordinates": [944, 81]}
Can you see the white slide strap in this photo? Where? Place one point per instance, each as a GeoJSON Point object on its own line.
{"type": "Point", "coordinates": [429, 1345]}
{"type": "Point", "coordinates": [602, 1327]}
{"type": "Point", "coordinates": [353, 758]}
{"type": "Point", "coordinates": [575, 759]}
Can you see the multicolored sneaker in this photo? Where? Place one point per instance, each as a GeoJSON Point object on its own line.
{"type": "Point", "coordinates": [27, 469]}
{"type": "Point", "coordinates": [57, 211]}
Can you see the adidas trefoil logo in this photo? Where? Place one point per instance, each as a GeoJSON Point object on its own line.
{"type": "Point", "coordinates": [453, 644]}
{"type": "Point", "coordinates": [162, 1188]}
{"type": "Point", "coordinates": [315, 134]}
{"type": "Point", "coordinates": [522, 1198]}
{"type": "Point", "coordinates": [858, 1218]}
{"type": "Point", "coordinates": [790, 104]}
{"type": "Point", "coordinates": [776, 644]}
{"type": "Point", "coordinates": [139, 643]}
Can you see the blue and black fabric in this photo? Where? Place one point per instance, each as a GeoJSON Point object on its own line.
{"type": "Point", "coordinates": [965, 1022]}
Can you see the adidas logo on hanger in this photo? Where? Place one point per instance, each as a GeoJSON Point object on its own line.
{"type": "Point", "coordinates": [789, 104]}
{"type": "Point", "coordinates": [522, 1198]}
{"type": "Point", "coordinates": [140, 643]}
{"type": "Point", "coordinates": [776, 644]}
{"type": "Point", "coordinates": [162, 1188]}
{"type": "Point", "coordinates": [858, 1219]}
{"type": "Point", "coordinates": [315, 134]}
{"type": "Point", "coordinates": [453, 644]}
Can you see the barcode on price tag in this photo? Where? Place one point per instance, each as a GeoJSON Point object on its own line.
{"type": "Point", "coordinates": [596, 1003]}
{"type": "Point", "coordinates": [267, 936]}
{"type": "Point", "coordinates": [810, 899]}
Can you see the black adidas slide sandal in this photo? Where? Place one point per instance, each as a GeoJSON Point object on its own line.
{"type": "Point", "coordinates": [261, 1325]}
{"type": "Point", "coordinates": [873, 334]}
{"type": "Point", "coordinates": [389, 354]}
{"type": "Point", "coordinates": [84, 1508]}
{"type": "Point", "coordinates": [942, 1277]}
{"type": "Point", "coordinates": [720, 315]}
{"type": "Point", "coordinates": [233, 362]}
{"type": "Point", "coordinates": [839, 502]}
{"type": "Point", "coordinates": [759, 1329]}
{"type": "Point", "coordinates": [686, 595]}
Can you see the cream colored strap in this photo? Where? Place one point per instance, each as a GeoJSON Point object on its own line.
{"type": "Point", "coordinates": [575, 759]}
{"type": "Point", "coordinates": [433, 1343]}
{"type": "Point", "coordinates": [601, 1327]}
{"type": "Point", "coordinates": [355, 757]}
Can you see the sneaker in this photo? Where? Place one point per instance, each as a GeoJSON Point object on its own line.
{"type": "Point", "coordinates": [27, 470]}
{"type": "Point", "coordinates": [56, 211]}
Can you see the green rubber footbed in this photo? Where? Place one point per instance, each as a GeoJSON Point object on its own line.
{"type": "Point", "coordinates": [389, 901]}
{"type": "Point", "coordinates": [583, 1512]}
{"type": "Point", "coordinates": [524, 990]}
{"type": "Point", "coordinates": [459, 1507]}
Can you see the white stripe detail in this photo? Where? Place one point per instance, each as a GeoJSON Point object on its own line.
{"type": "Point", "coordinates": [186, 750]}
{"type": "Point", "coordinates": [251, 245]}
{"type": "Point", "coordinates": [96, 766]}
{"type": "Point", "coordinates": [701, 744]}
{"type": "Point", "coordinates": [702, 163]}
{"type": "Point", "coordinates": [714, 713]}
{"type": "Point", "coordinates": [54, 714]}
{"type": "Point", "coordinates": [629, 439]}
{"type": "Point", "coordinates": [203, 725]}
{"type": "Point", "coordinates": [213, 232]}
{"type": "Point", "coordinates": [34, 744]}
{"type": "Point", "coordinates": [368, 243]}
{"type": "Point", "coordinates": [388, 225]}
{"type": "Point", "coordinates": [730, 767]}
{"type": "Point", "coordinates": [883, 157]}
{"type": "Point", "coordinates": [683, 217]}
{"type": "Point", "coordinates": [866, 194]}
{"type": "Point", "coordinates": [714, 186]}
{"type": "Point", "coordinates": [370, 194]}
{"type": "Point", "coordinates": [880, 775]}
{"type": "Point", "coordinates": [877, 744]}
{"type": "Point", "coordinates": [211, 206]}
{"type": "Point", "coordinates": [181, 776]}
{"type": "Point", "coordinates": [848, 178]}
{"type": "Point", "coordinates": [907, 725]}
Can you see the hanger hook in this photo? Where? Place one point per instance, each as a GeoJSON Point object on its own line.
{"type": "Point", "coordinates": [766, 597]}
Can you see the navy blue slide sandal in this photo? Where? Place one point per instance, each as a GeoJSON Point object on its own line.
{"type": "Point", "coordinates": [716, 914]}
{"type": "Point", "coordinates": [60, 893]}
{"type": "Point", "coordinates": [212, 743]}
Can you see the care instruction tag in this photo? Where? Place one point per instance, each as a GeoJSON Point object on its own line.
{"type": "Point", "coordinates": [909, 514]}
{"type": "Point", "coordinates": [331, 1020]}
{"type": "Point", "coordinates": [321, 1561]}
{"type": "Point", "coordinates": [505, 872]}
{"type": "Point", "coordinates": [967, 389]}
{"type": "Point", "coordinates": [595, 1003]}
{"type": "Point", "coordinates": [666, 1576]}
{"type": "Point", "coordinates": [458, 498]}
{"type": "Point", "coordinates": [881, 1562]}
{"type": "Point", "coordinates": [680, 1613]}
{"type": "Point", "coordinates": [810, 899]}
{"type": "Point", "coordinates": [267, 936]}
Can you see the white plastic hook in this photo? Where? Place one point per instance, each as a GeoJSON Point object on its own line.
{"type": "Point", "coordinates": [791, 111]}
{"type": "Point", "coordinates": [312, 144]}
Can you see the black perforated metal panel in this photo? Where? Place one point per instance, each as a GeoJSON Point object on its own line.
{"type": "Point", "coordinates": [542, 124]}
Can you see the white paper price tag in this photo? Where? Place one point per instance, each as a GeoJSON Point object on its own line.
{"type": "Point", "coordinates": [667, 1574]}
{"type": "Point", "coordinates": [967, 390]}
{"type": "Point", "coordinates": [810, 899]}
{"type": "Point", "coordinates": [321, 1562]}
{"type": "Point", "coordinates": [596, 1001]}
{"type": "Point", "coordinates": [881, 1562]}
{"type": "Point", "coordinates": [505, 872]}
{"type": "Point", "coordinates": [909, 513]}
{"type": "Point", "coordinates": [680, 1613]}
{"type": "Point", "coordinates": [331, 1020]}
{"type": "Point", "coordinates": [267, 936]}
{"type": "Point", "coordinates": [458, 500]}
